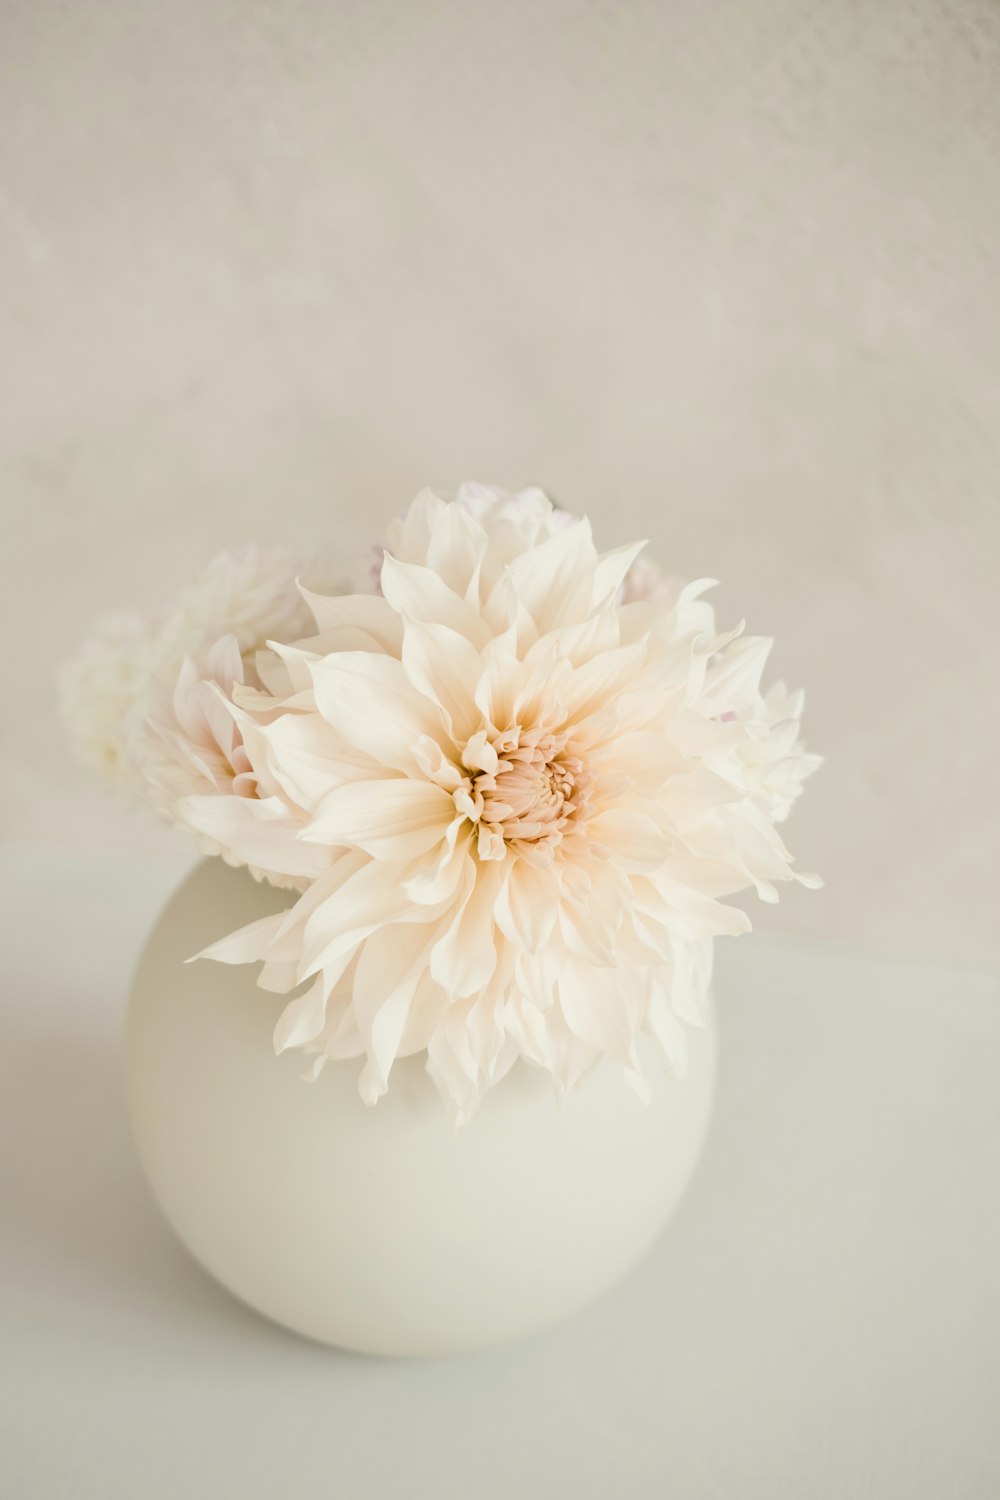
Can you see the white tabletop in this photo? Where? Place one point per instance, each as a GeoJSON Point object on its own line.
{"type": "Point", "coordinates": [820, 1319]}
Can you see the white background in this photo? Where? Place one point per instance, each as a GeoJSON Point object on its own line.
{"type": "Point", "coordinates": [724, 275]}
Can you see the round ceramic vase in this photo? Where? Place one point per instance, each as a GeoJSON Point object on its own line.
{"type": "Point", "coordinates": [385, 1230]}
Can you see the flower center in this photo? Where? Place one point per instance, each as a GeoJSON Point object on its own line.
{"type": "Point", "coordinates": [523, 791]}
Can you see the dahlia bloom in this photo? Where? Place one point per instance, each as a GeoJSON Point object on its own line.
{"type": "Point", "coordinates": [512, 780]}
{"type": "Point", "coordinates": [197, 768]}
{"type": "Point", "coordinates": [531, 790]}
{"type": "Point", "coordinates": [130, 678]}
{"type": "Point", "coordinates": [99, 690]}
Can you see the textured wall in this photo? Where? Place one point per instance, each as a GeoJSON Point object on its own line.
{"type": "Point", "coordinates": [722, 274]}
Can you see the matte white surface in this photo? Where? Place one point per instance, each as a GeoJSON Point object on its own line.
{"type": "Point", "coordinates": [384, 1230]}
{"type": "Point", "coordinates": [821, 1319]}
{"type": "Point", "coordinates": [722, 274]}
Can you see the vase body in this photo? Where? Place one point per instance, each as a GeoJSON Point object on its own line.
{"type": "Point", "coordinates": [384, 1230]}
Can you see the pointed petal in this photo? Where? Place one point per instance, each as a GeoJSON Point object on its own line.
{"type": "Point", "coordinates": [418, 593]}
{"type": "Point", "coordinates": [302, 1019]}
{"type": "Point", "coordinates": [457, 547]}
{"type": "Point", "coordinates": [609, 574]}
{"type": "Point", "coordinates": [464, 958]}
{"type": "Point", "coordinates": [246, 945]}
{"type": "Point", "coordinates": [258, 831]}
{"type": "Point", "coordinates": [394, 818]}
{"type": "Point", "coordinates": [389, 967]}
{"type": "Point", "coordinates": [527, 906]}
{"type": "Point", "coordinates": [555, 580]}
{"type": "Point", "coordinates": [373, 705]}
{"type": "Point", "coordinates": [630, 838]}
{"type": "Point", "coordinates": [364, 612]}
{"type": "Point", "coordinates": [444, 667]}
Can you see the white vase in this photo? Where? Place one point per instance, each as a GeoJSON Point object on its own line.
{"type": "Point", "coordinates": [384, 1230]}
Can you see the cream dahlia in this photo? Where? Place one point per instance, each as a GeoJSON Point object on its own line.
{"type": "Point", "coordinates": [198, 770]}
{"type": "Point", "coordinates": [512, 779]}
{"type": "Point", "coordinates": [100, 689]}
{"type": "Point", "coordinates": [139, 698]}
{"type": "Point", "coordinates": [528, 785]}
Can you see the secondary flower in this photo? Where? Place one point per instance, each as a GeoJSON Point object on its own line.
{"type": "Point", "coordinates": [130, 677]}
{"type": "Point", "coordinates": [99, 690]}
{"type": "Point", "coordinates": [528, 783]}
{"type": "Point", "coordinates": [199, 773]}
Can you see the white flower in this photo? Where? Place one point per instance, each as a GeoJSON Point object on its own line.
{"type": "Point", "coordinates": [774, 756]}
{"type": "Point", "coordinates": [192, 755]}
{"type": "Point", "coordinates": [141, 701]}
{"type": "Point", "coordinates": [530, 510]}
{"type": "Point", "coordinates": [251, 593]}
{"type": "Point", "coordinates": [537, 517]}
{"type": "Point", "coordinates": [99, 690]}
{"type": "Point", "coordinates": [530, 787]}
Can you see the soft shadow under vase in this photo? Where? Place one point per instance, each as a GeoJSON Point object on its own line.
{"type": "Point", "coordinates": [383, 1230]}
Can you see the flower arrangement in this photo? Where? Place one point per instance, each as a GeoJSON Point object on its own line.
{"type": "Point", "coordinates": [510, 778]}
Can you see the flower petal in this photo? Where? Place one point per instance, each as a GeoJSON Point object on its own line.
{"type": "Point", "coordinates": [456, 549]}
{"type": "Point", "coordinates": [464, 957]}
{"type": "Point", "coordinates": [303, 1018]}
{"type": "Point", "coordinates": [359, 612]}
{"type": "Point", "coordinates": [630, 838]}
{"type": "Point", "coordinates": [254, 831]}
{"type": "Point", "coordinates": [444, 667]}
{"type": "Point", "coordinates": [394, 818]}
{"type": "Point", "coordinates": [390, 965]}
{"type": "Point", "coordinates": [595, 1003]}
{"type": "Point", "coordinates": [418, 593]}
{"type": "Point", "coordinates": [528, 905]}
{"type": "Point", "coordinates": [246, 945]}
{"type": "Point", "coordinates": [373, 705]}
{"type": "Point", "coordinates": [611, 568]}
{"type": "Point", "coordinates": [555, 580]}
{"type": "Point", "coordinates": [304, 756]}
